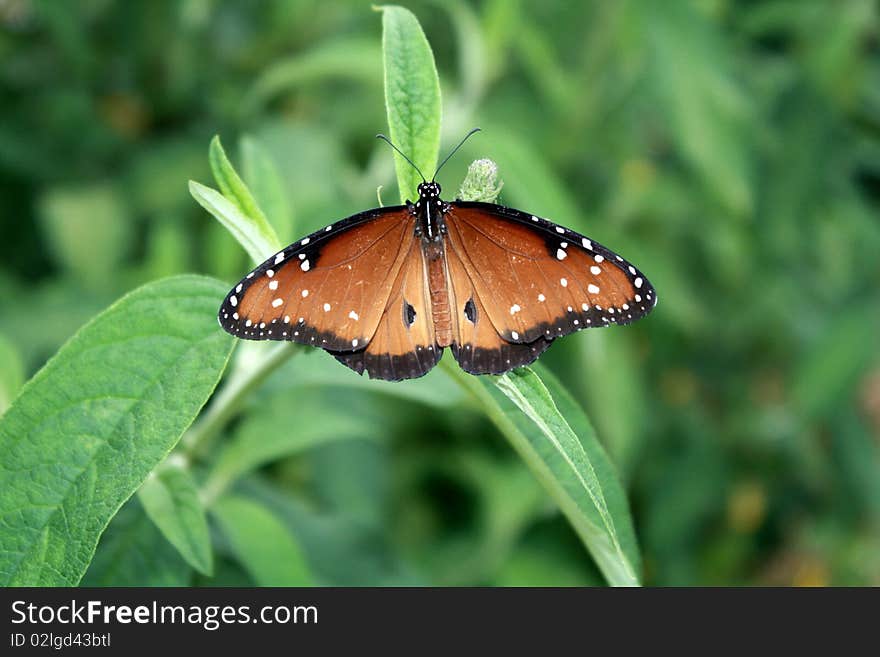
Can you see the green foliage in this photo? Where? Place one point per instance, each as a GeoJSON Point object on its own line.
{"type": "Point", "coordinates": [91, 425]}
{"type": "Point", "coordinates": [722, 146]}
{"type": "Point", "coordinates": [170, 498]}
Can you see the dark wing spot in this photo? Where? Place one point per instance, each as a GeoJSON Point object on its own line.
{"type": "Point", "coordinates": [409, 314]}
{"type": "Point", "coordinates": [470, 311]}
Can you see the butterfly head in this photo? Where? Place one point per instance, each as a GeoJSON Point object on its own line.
{"type": "Point", "coordinates": [429, 190]}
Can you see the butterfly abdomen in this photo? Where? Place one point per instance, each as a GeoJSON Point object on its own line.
{"type": "Point", "coordinates": [439, 292]}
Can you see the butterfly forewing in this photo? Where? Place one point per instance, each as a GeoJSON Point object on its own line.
{"type": "Point", "coordinates": [538, 280]}
{"type": "Point", "coordinates": [329, 289]}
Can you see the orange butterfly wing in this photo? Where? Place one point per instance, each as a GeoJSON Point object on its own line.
{"type": "Point", "coordinates": [403, 345]}
{"type": "Point", "coordinates": [329, 289]}
{"type": "Point", "coordinates": [531, 281]}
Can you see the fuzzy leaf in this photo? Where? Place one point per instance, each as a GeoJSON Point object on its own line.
{"type": "Point", "coordinates": [557, 441]}
{"type": "Point", "coordinates": [412, 96]}
{"type": "Point", "coordinates": [257, 242]}
{"type": "Point", "coordinates": [171, 499]}
{"type": "Point", "coordinates": [92, 424]}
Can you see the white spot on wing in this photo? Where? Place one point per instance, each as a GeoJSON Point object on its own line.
{"type": "Point", "coordinates": [238, 287]}
{"type": "Point", "coordinates": [233, 301]}
{"type": "Point", "coordinates": [326, 307]}
{"type": "Point", "coordinates": [560, 254]}
{"type": "Point", "coordinates": [305, 241]}
{"type": "Point", "coordinates": [595, 271]}
{"type": "Point", "coordinates": [563, 282]}
{"type": "Point", "coordinates": [560, 230]}
{"type": "Point", "coordinates": [593, 289]}
{"type": "Point", "coordinates": [273, 285]}
{"type": "Point", "coordinates": [514, 309]}
{"type": "Point", "coordinates": [638, 282]}
{"type": "Point", "coordinates": [541, 297]}
{"type": "Point", "coordinates": [270, 273]}
{"type": "Point", "coordinates": [277, 302]}
{"type": "Point", "coordinates": [354, 343]}
{"type": "Point", "coordinates": [279, 257]}
{"type": "Point", "coordinates": [598, 258]}
{"type": "Point", "coordinates": [514, 335]}
{"type": "Point", "coordinates": [305, 293]}
{"type": "Point", "coordinates": [304, 265]}
{"type": "Point", "coordinates": [353, 315]}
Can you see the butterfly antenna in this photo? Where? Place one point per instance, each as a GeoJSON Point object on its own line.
{"type": "Point", "coordinates": [412, 164]}
{"type": "Point", "coordinates": [460, 144]}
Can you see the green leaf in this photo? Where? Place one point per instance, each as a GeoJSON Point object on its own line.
{"type": "Point", "coordinates": [247, 222]}
{"type": "Point", "coordinates": [561, 447]}
{"type": "Point", "coordinates": [555, 439]}
{"type": "Point", "coordinates": [233, 186]}
{"type": "Point", "coordinates": [262, 176]}
{"type": "Point", "coordinates": [171, 499]}
{"type": "Point", "coordinates": [412, 96]}
{"type": "Point", "coordinates": [11, 373]}
{"type": "Point", "coordinates": [259, 243]}
{"type": "Point", "coordinates": [133, 552]}
{"type": "Point", "coordinates": [90, 426]}
{"type": "Point", "coordinates": [261, 542]}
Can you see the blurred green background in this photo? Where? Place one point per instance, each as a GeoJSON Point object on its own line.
{"type": "Point", "coordinates": [731, 148]}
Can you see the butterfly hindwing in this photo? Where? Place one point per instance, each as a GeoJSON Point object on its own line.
{"type": "Point", "coordinates": [478, 347]}
{"type": "Point", "coordinates": [327, 290]}
{"type": "Point", "coordinates": [536, 279]}
{"type": "Point", "coordinates": [403, 345]}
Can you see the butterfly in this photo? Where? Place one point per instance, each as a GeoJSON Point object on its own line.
{"type": "Point", "coordinates": [387, 290]}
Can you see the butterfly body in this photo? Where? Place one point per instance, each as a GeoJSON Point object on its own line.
{"type": "Point", "coordinates": [385, 291]}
